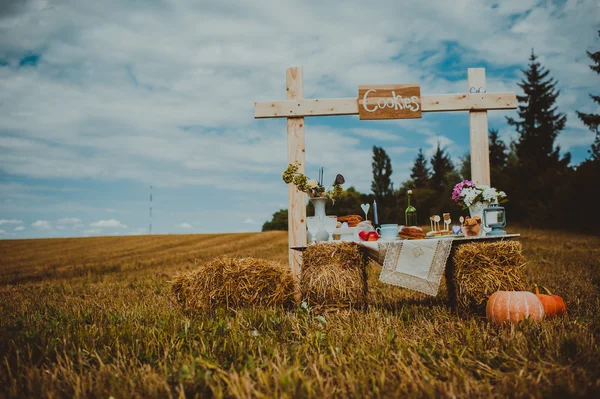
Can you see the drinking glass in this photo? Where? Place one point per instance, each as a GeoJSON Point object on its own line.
{"type": "Point", "coordinates": [330, 225]}
{"type": "Point", "coordinates": [313, 223]}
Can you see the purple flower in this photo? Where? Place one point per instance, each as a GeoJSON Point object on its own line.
{"type": "Point", "coordinates": [457, 190]}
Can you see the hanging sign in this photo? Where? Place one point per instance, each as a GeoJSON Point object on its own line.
{"type": "Point", "coordinates": [389, 101]}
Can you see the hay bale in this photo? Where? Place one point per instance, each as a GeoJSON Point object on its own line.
{"type": "Point", "coordinates": [334, 275]}
{"type": "Point", "coordinates": [480, 269]}
{"type": "Point", "coordinates": [235, 283]}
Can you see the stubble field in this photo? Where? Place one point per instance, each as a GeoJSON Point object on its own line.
{"type": "Point", "coordinates": [92, 317]}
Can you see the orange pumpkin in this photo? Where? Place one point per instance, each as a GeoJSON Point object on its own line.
{"type": "Point", "coordinates": [513, 306]}
{"type": "Point", "coordinates": [553, 304]}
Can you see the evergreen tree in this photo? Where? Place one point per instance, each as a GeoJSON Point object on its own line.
{"type": "Point", "coordinates": [419, 173]}
{"type": "Point", "coordinates": [465, 167]}
{"type": "Point", "coordinates": [539, 175]}
{"type": "Point", "coordinates": [441, 166]}
{"type": "Point", "coordinates": [382, 171]}
{"type": "Point", "coordinates": [592, 121]}
{"type": "Point", "coordinates": [539, 121]}
{"type": "Point", "coordinates": [498, 155]}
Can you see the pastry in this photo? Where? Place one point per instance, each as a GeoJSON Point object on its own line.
{"type": "Point", "coordinates": [352, 220]}
{"type": "Point", "coordinates": [412, 233]}
{"type": "Point", "coordinates": [471, 226]}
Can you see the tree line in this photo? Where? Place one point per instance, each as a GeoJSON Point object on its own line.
{"type": "Point", "coordinates": [544, 189]}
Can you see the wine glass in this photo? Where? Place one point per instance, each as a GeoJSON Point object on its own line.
{"type": "Point", "coordinates": [313, 223]}
{"type": "Point", "coordinates": [330, 225]}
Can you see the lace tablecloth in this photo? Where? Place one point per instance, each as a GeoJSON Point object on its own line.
{"type": "Point", "coordinates": [417, 265]}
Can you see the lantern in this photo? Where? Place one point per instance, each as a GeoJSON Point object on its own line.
{"type": "Point", "coordinates": [494, 217]}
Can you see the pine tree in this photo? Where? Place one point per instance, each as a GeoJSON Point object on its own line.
{"type": "Point", "coordinates": [592, 121]}
{"type": "Point", "coordinates": [441, 166]}
{"type": "Point", "coordinates": [419, 172]}
{"type": "Point", "coordinates": [539, 121]}
{"type": "Point", "coordinates": [465, 167]}
{"type": "Point", "coordinates": [498, 155]}
{"type": "Point", "coordinates": [382, 171]}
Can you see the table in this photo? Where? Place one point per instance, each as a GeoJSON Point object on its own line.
{"type": "Point", "coordinates": [427, 283]}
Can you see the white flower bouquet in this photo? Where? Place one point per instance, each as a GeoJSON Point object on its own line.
{"type": "Point", "coordinates": [467, 193]}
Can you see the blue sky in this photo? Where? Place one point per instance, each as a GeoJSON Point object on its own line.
{"type": "Point", "coordinates": [101, 99]}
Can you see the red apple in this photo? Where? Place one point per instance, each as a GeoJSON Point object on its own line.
{"type": "Point", "coordinates": [364, 235]}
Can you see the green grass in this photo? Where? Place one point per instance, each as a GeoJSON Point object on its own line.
{"type": "Point", "coordinates": [92, 317]}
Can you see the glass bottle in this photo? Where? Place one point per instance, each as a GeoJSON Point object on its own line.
{"type": "Point", "coordinates": [410, 215]}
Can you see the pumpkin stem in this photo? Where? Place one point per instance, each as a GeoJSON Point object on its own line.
{"type": "Point", "coordinates": [537, 290]}
{"type": "Point", "coordinates": [547, 290]}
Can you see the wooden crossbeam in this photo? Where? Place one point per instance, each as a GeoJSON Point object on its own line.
{"type": "Point", "coordinates": [349, 106]}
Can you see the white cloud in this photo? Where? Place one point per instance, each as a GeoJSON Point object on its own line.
{"type": "Point", "coordinates": [91, 232]}
{"type": "Point", "coordinates": [19, 228]}
{"type": "Point", "coordinates": [184, 225]}
{"type": "Point", "coordinates": [10, 221]}
{"type": "Point", "coordinates": [108, 223]}
{"type": "Point", "coordinates": [68, 220]}
{"type": "Point", "coordinates": [2, 232]}
{"type": "Point", "coordinates": [165, 93]}
{"type": "Point", "coordinates": [41, 224]}
{"type": "Point", "coordinates": [250, 221]}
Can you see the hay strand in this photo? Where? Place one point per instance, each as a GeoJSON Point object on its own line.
{"type": "Point", "coordinates": [480, 269]}
{"type": "Point", "coordinates": [235, 283]}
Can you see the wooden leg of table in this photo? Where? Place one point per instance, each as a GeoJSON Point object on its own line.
{"type": "Point", "coordinates": [450, 283]}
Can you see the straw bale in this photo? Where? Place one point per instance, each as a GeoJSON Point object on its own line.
{"type": "Point", "coordinates": [334, 275]}
{"type": "Point", "coordinates": [235, 283]}
{"type": "Point", "coordinates": [480, 269]}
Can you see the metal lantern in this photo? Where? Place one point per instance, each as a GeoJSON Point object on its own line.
{"type": "Point", "coordinates": [497, 219]}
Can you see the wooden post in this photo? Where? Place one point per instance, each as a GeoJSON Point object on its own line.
{"type": "Point", "coordinates": [296, 152]}
{"type": "Point", "coordinates": [478, 123]}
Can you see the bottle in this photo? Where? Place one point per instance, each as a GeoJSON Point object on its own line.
{"type": "Point", "coordinates": [410, 215]}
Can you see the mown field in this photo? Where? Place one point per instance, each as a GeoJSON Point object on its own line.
{"type": "Point", "coordinates": [92, 317]}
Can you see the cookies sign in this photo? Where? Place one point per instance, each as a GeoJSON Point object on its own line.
{"type": "Point", "coordinates": [389, 101]}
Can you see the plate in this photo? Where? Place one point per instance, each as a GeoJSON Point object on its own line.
{"type": "Point", "coordinates": [344, 230]}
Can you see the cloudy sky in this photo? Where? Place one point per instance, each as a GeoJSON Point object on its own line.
{"type": "Point", "coordinates": [101, 99]}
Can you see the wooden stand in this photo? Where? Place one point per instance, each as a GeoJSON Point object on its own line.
{"type": "Point", "coordinates": [476, 101]}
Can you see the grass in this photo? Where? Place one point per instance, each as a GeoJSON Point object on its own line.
{"type": "Point", "coordinates": [92, 317]}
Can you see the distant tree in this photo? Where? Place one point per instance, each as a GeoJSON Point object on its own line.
{"type": "Point", "coordinates": [381, 185]}
{"type": "Point", "coordinates": [539, 121]}
{"type": "Point", "coordinates": [465, 167]}
{"type": "Point", "coordinates": [498, 155]}
{"type": "Point", "coordinates": [539, 174]}
{"type": "Point", "coordinates": [441, 166]}
{"type": "Point", "coordinates": [279, 221]}
{"type": "Point", "coordinates": [419, 172]}
{"type": "Point", "coordinates": [592, 121]}
{"type": "Point", "coordinates": [348, 203]}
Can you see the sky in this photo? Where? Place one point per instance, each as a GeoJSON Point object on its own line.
{"type": "Point", "coordinates": [99, 100]}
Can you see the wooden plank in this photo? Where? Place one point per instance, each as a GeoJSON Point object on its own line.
{"type": "Point", "coordinates": [349, 106]}
{"type": "Point", "coordinates": [468, 102]}
{"type": "Point", "coordinates": [284, 109]}
{"type": "Point", "coordinates": [296, 152]}
{"type": "Point", "coordinates": [389, 102]}
{"type": "Point", "coordinates": [478, 127]}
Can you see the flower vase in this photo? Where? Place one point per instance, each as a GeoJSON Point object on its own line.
{"type": "Point", "coordinates": [319, 204]}
{"type": "Point", "coordinates": [477, 210]}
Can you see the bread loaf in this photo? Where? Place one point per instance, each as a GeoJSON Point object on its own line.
{"type": "Point", "coordinates": [352, 220]}
{"type": "Point", "coordinates": [412, 233]}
